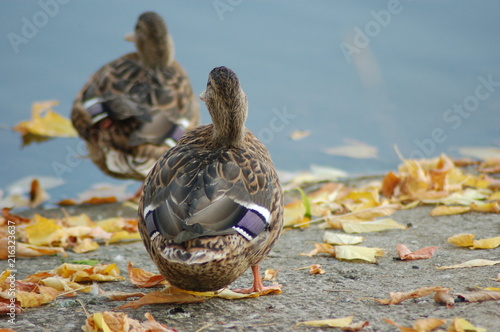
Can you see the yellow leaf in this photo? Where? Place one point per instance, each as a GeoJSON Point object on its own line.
{"type": "Point", "coordinates": [337, 322]}
{"type": "Point", "coordinates": [64, 285]}
{"type": "Point", "coordinates": [43, 231]}
{"type": "Point", "coordinates": [321, 248]}
{"type": "Point", "coordinates": [444, 210]}
{"type": "Point", "coordinates": [471, 263]}
{"type": "Point", "coordinates": [462, 240]}
{"type": "Point", "coordinates": [491, 207]}
{"type": "Point", "coordinates": [50, 125]}
{"type": "Point", "coordinates": [420, 325]}
{"type": "Point", "coordinates": [356, 252]}
{"type": "Point", "coordinates": [101, 323]}
{"type": "Point", "coordinates": [83, 272]}
{"type": "Point", "coordinates": [85, 245]}
{"type": "Point", "coordinates": [489, 243]}
{"type": "Point", "coordinates": [462, 325]}
{"type": "Point", "coordinates": [371, 226]}
{"type": "Point", "coordinates": [341, 239]}
{"type": "Point", "coordinates": [112, 225]}
{"type": "Point", "coordinates": [124, 235]}
{"type": "Point", "coordinates": [495, 196]}
{"type": "Point", "coordinates": [369, 214]}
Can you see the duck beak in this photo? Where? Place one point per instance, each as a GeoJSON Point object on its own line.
{"type": "Point", "coordinates": [130, 37]}
{"type": "Point", "coordinates": [202, 96]}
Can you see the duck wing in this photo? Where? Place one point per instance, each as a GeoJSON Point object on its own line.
{"type": "Point", "coordinates": [207, 194]}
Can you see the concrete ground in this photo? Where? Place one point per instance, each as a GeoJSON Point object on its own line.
{"type": "Point", "coordinates": [345, 289]}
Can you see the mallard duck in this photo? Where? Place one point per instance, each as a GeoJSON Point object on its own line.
{"type": "Point", "coordinates": [213, 205]}
{"type": "Point", "coordinates": [136, 107]}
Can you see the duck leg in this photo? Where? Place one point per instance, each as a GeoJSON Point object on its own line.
{"type": "Point", "coordinates": [257, 287]}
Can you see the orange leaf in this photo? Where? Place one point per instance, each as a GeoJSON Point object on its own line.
{"type": "Point", "coordinates": [316, 269]}
{"type": "Point", "coordinates": [164, 296]}
{"type": "Point", "coordinates": [389, 184]}
{"type": "Point", "coordinates": [144, 279]}
{"type": "Point", "coordinates": [100, 200]}
{"type": "Point", "coordinates": [398, 297]}
{"type": "Point", "coordinates": [33, 299]}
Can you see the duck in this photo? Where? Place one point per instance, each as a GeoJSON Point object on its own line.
{"type": "Point", "coordinates": [136, 107]}
{"type": "Point", "coordinates": [212, 206]}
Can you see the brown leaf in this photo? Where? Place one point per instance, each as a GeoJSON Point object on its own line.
{"type": "Point", "coordinates": [100, 200]}
{"type": "Point", "coordinates": [164, 296]}
{"type": "Point", "coordinates": [405, 254]}
{"type": "Point", "coordinates": [443, 297]}
{"type": "Point", "coordinates": [37, 194]}
{"type": "Point", "coordinates": [389, 184]}
{"type": "Point", "coordinates": [480, 296]}
{"type": "Point", "coordinates": [316, 269]}
{"type": "Point", "coordinates": [14, 218]}
{"type": "Point", "coordinates": [144, 279]}
{"type": "Point", "coordinates": [398, 297]}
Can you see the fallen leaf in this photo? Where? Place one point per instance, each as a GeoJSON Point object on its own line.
{"type": "Point", "coordinates": [124, 235]}
{"type": "Point", "coordinates": [81, 272]}
{"type": "Point", "coordinates": [143, 279]}
{"type": "Point", "coordinates": [405, 254]}
{"type": "Point", "coordinates": [43, 231]}
{"type": "Point", "coordinates": [337, 322]}
{"type": "Point", "coordinates": [358, 253]}
{"type": "Point", "coordinates": [37, 194]}
{"type": "Point", "coordinates": [462, 240]}
{"type": "Point", "coordinates": [444, 297]}
{"type": "Point", "coordinates": [398, 297]}
{"type": "Point", "coordinates": [462, 325]}
{"type": "Point", "coordinates": [64, 285]}
{"type": "Point", "coordinates": [28, 250]}
{"type": "Point", "coordinates": [420, 325]}
{"type": "Point", "coordinates": [316, 269]}
{"type": "Point", "coordinates": [45, 126]}
{"type": "Point", "coordinates": [107, 322]}
{"type": "Point", "coordinates": [489, 243]}
{"type": "Point", "coordinates": [270, 274]}
{"type": "Point", "coordinates": [36, 299]}
{"type": "Point", "coordinates": [341, 239]}
{"type": "Point", "coordinates": [85, 245]}
{"type": "Point", "coordinates": [321, 248]}
{"type": "Point", "coordinates": [444, 210]}
{"type": "Point", "coordinates": [480, 296]}
{"type": "Point", "coordinates": [378, 225]}
{"type": "Point", "coordinates": [164, 296]}
{"type": "Point", "coordinates": [471, 263]}
{"type": "Point", "coordinates": [389, 184]}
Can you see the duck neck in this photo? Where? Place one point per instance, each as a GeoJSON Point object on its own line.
{"type": "Point", "coordinates": [229, 128]}
{"type": "Point", "coordinates": [157, 55]}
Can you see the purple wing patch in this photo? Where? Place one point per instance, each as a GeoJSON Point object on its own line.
{"type": "Point", "coordinates": [251, 225]}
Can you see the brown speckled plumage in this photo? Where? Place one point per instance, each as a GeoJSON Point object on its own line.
{"type": "Point", "coordinates": [131, 109]}
{"type": "Point", "coordinates": [212, 206]}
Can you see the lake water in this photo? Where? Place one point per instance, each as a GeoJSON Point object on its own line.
{"type": "Point", "coordinates": [423, 75]}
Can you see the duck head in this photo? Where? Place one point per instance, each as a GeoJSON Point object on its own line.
{"type": "Point", "coordinates": [152, 40]}
{"type": "Point", "coordinates": [228, 106]}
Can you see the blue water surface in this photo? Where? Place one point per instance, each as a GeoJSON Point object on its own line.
{"type": "Point", "coordinates": [424, 75]}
